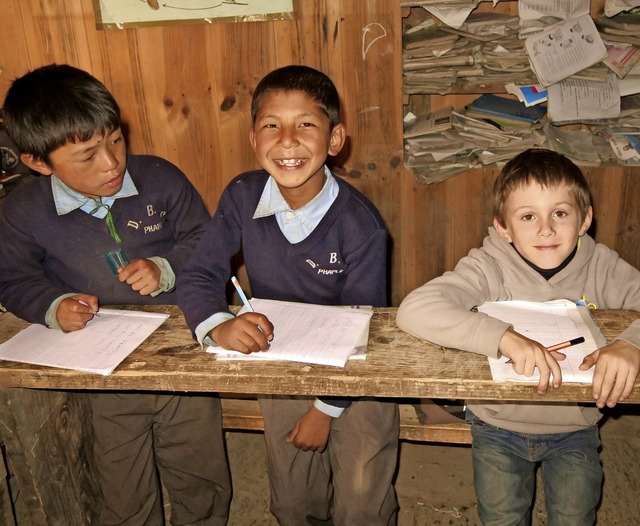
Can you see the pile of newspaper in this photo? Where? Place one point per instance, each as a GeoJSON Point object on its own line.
{"type": "Point", "coordinates": [448, 142]}
{"type": "Point", "coordinates": [589, 73]}
{"type": "Point", "coordinates": [482, 55]}
{"type": "Point", "coordinates": [442, 144]}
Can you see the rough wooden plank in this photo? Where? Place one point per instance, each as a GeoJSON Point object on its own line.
{"type": "Point", "coordinates": [398, 365]}
{"type": "Point", "coordinates": [7, 517]}
{"type": "Point", "coordinates": [244, 414]}
{"type": "Point", "coordinates": [48, 438]}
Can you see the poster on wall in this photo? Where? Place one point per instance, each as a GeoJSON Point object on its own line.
{"type": "Point", "coordinates": [121, 14]}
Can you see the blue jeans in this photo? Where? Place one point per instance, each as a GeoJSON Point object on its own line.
{"type": "Point", "coordinates": [504, 477]}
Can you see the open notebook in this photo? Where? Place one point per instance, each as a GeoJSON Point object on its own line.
{"type": "Point", "coordinates": [319, 334]}
{"type": "Point", "coordinates": [548, 323]}
{"type": "Point", "coordinates": [98, 348]}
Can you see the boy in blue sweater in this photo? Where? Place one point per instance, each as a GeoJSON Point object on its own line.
{"type": "Point", "coordinates": [54, 233]}
{"type": "Point", "coordinates": [306, 236]}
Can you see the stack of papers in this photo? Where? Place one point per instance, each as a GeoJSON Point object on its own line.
{"type": "Point", "coordinates": [318, 334]}
{"type": "Point", "coordinates": [548, 323]}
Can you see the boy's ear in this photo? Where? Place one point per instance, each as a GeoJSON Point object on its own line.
{"type": "Point", "coordinates": [587, 222]}
{"type": "Point", "coordinates": [252, 138]}
{"type": "Point", "coordinates": [336, 141]}
{"type": "Point", "coordinates": [37, 165]}
{"type": "Point", "coordinates": [502, 231]}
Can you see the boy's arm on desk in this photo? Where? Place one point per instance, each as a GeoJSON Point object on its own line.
{"type": "Point", "coordinates": [398, 365]}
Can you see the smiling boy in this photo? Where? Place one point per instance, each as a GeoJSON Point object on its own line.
{"type": "Point", "coordinates": [538, 250]}
{"type": "Point", "coordinates": [306, 236]}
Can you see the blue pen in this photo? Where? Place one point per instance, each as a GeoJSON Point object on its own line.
{"type": "Point", "coordinates": [244, 299]}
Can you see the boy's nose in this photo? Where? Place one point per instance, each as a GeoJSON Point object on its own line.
{"type": "Point", "coordinates": [546, 229]}
{"type": "Point", "coordinates": [109, 161]}
{"type": "Point", "coordinates": [287, 138]}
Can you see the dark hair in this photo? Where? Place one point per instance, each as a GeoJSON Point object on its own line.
{"type": "Point", "coordinates": [57, 104]}
{"type": "Point", "coordinates": [309, 81]}
{"type": "Point", "coordinates": [547, 168]}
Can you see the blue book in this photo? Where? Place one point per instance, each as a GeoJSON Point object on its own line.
{"type": "Point", "coordinates": [504, 110]}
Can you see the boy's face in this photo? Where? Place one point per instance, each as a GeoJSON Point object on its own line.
{"type": "Point", "coordinates": [291, 139]}
{"type": "Point", "coordinates": [94, 168]}
{"type": "Point", "coordinates": [543, 224]}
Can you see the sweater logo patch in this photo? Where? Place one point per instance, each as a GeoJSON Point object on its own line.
{"type": "Point", "coordinates": [333, 261]}
{"type": "Point", "coordinates": [148, 229]}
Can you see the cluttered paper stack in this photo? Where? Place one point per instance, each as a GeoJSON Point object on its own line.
{"type": "Point", "coordinates": [552, 55]}
{"type": "Point", "coordinates": [317, 334]}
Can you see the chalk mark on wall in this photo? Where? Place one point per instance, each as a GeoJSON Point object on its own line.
{"type": "Point", "coordinates": [366, 30]}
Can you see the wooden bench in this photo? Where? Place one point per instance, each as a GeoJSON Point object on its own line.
{"type": "Point", "coordinates": [243, 414]}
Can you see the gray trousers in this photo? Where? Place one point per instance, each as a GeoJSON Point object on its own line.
{"type": "Point", "coordinates": [350, 483]}
{"type": "Point", "coordinates": [138, 435]}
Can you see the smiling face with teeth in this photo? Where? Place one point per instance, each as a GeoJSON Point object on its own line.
{"type": "Point", "coordinates": [292, 138]}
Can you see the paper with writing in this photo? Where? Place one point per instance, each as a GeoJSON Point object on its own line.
{"type": "Point", "coordinates": [318, 334]}
{"type": "Point", "coordinates": [98, 348]}
{"type": "Point", "coordinates": [548, 323]}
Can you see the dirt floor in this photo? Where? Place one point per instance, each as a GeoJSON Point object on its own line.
{"type": "Point", "coordinates": [434, 482]}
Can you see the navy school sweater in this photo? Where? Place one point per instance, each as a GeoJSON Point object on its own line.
{"type": "Point", "coordinates": [44, 255]}
{"type": "Point", "coordinates": [342, 262]}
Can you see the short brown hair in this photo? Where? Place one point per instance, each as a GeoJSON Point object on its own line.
{"type": "Point", "coordinates": [547, 168]}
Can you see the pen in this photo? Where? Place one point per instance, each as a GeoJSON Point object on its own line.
{"type": "Point", "coordinates": [95, 313]}
{"type": "Point", "coordinates": [244, 299]}
{"type": "Point", "coordinates": [562, 345]}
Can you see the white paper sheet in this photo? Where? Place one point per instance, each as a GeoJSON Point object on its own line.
{"type": "Point", "coordinates": [564, 49]}
{"type": "Point", "coordinates": [98, 348]}
{"type": "Point", "coordinates": [548, 323]}
{"type": "Point", "coordinates": [318, 334]}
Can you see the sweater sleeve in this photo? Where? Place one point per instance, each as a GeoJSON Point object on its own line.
{"type": "Point", "coordinates": [619, 288]}
{"type": "Point", "coordinates": [366, 284]}
{"type": "Point", "coordinates": [440, 311]}
{"type": "Point", "coordinates": [187, 217]}
{"type": "Point", "coordinates": [202, 284]}
{"type": "Point", "coordinates": [25, 290]}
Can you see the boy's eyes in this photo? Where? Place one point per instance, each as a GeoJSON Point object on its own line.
{"type": "Point", "coordinates": [274, 126]}
{"type": "Point", "coordinates": [559, 214]}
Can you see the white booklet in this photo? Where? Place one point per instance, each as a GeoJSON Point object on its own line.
{"type": "Point", "coordinates": [549, 323]}
{"type": "Point", "coordinates": [98, 348]}
{"type": "Point", "coordinates": [564, 49]}
{"type": "Point", "coordinates": [318, 334]}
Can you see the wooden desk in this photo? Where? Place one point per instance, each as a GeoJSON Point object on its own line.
{"type": "Point", "coordinates": [398, 365]}
{"type": "Point", "coordinates": [44, 416]}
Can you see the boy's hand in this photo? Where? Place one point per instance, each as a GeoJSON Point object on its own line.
{"type": "Point", "coordinates": [311, 431]}
{"type": "Point", "coordinates": [142, 274]}
{"type": "Point", "coordinates": [527, 355]}
{"type": "Point", "coordinates": [247, 333]}
{"type": "Point", "coordinates": [617, 366]}
{"type": "Point", "coordinates": [74, 312]}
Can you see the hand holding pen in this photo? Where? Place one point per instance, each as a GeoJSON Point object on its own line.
{"type": "Point", "coordinates": [248, 332]}
{"type": "Point", "coordinates": [74, 312]}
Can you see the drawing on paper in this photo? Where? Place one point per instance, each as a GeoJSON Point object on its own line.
{"type": "Point", "coordinates": [121, 14]}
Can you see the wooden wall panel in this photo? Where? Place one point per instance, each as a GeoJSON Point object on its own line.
{"type": "Point", "coordinates": [185, 92]}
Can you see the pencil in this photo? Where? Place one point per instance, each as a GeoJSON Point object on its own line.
{"type": "Point", "coordinates": [561, 345]}
{"type": "Point", "coordinates": [564, 345]}
{"type": "Point", "coordinates": [244, 299]}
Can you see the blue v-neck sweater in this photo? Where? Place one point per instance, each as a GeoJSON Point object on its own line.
{"type": "Point", "coordinates": [342, 262]}
{"type": "Point", "coordinates": [44, 255]}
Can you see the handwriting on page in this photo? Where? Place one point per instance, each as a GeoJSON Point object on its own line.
{"type": "Point", "coordinates": [308, 333]}
{"type": "Point", "coordinates": [547, 323]}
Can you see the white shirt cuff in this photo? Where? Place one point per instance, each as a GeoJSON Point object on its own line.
{"type": "Point", "coordinates": [327, 409]}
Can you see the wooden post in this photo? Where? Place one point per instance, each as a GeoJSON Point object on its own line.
{"type": "Point", "coordinates": [52, 457]}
